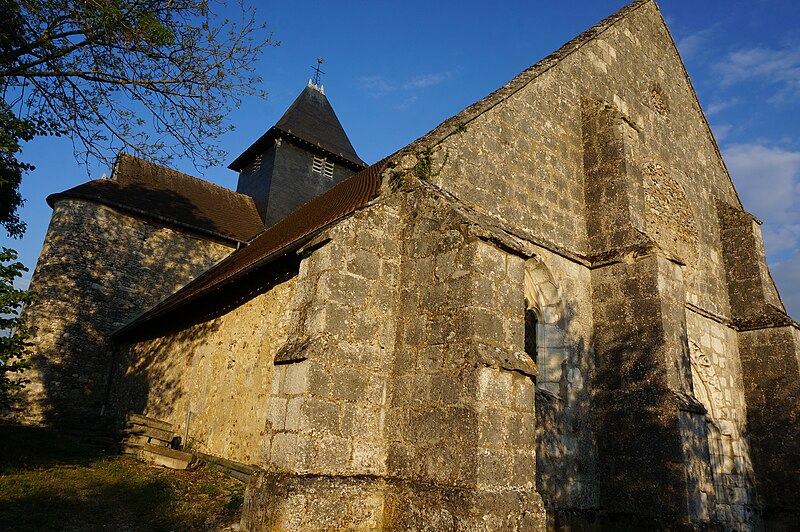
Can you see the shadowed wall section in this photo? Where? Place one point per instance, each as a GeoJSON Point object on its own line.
{"type": "Point", "coordinates": [86, 291]}
{"type": "Point", "coordinates": [212, 380]}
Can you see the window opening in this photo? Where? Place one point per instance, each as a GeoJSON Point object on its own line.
{"type": "Point", "coordinates": [317, 165]}
{"type": "Point", "coordinates": [531, 326]}
{"type": "Point", "coordinates": [323, 167]}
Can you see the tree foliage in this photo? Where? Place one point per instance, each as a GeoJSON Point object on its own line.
{"type": "Point", "coordinates": [14, 333]}
{"type": "Point", "coordinates": [12, 132]}
{"type": "Point", "coordinates": [155, 77]}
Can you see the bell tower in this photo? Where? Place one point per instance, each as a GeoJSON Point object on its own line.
{"type": "Point", "coordinates": [304, 154]}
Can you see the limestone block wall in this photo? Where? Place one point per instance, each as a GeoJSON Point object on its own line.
{"type": "Point", "coordinates": [771, 356]}
{"type": "Point", "coordinates": [324, 450]}
{"type": "Point", "coordinates": [682, 173]}
{"type": "Point", "coordinates": [567, 475]}
{"type": "Point", "coordinates": [523, 161]}
{"type": "Point", "coordinates": [717, 384]}
{"type": "Point", "coordinates": [408, 402]}
{"type": "Point", "coordinates": [523, 158]}
{"type": "Point", "coordinates": [654, 468]}
{"type": "Point", "coordinates": [463, 409]}
{"type": "Point", "coordinates": [212, 380]}
{"type": "Point", "coordinates": [98, 269]}
{"type": "Point", "coordinates": [642, 173]}
{"type": "Point", "coordinates": [461, 327]}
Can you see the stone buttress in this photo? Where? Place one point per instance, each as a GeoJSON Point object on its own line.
{"type": "Point", "coordinates": [404, 400]}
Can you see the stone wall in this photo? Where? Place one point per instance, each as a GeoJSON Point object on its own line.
{"type": "Point", "coordinates": [407, 402]}
{"type": "Point", "coordinates": [523, 157]}
{"type": "Point", "coordinates": [566, 448]}
{"type": "Point", "coordinates": [601, 156]}
{"type": "Point", "coordinates": [212, 380]}
{"type": "Point", "coordinates": [717, 380]}
{"type": "Point", "coordinates": [771, 360]}
{"type": "Point", "coordinates": [388, 386]}
{"type": "Point", "coordinates": [98, 269]}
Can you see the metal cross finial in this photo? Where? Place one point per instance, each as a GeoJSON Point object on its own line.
{"type": "Point", "coordinates": [318, 71]}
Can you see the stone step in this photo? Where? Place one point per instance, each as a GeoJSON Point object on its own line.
{"type": "Point", "coordinates": [140, 419]}
{"type": "Point", "coordinates": [139, 440]}
{"type": "Point", "coordinates": [165, 436]}
{"type": "Point", "coordinates": [224, 463]}
{"type": "Point", "coordinates": [132, 448]}
{"type": "Point", "coordinates": [164, 456]}
{"type": "Point", "coordinates": [238, 475]}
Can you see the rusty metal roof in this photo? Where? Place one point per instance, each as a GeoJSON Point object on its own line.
{"type": "Point", "coordinates": [274, 242]}
{"type": "Point", "coordinates": [153, 191]}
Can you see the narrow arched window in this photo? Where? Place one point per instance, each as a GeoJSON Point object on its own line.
{"type": "Point", "coordinates": [531, 324]}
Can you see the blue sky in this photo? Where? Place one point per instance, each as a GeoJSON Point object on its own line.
{"type": "Point", "coordinates": [395, 70]}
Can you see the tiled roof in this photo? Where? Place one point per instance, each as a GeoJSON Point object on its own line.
{"type": "Point", "coordinates": [346, 197]}
{"type": "Point", "coordinates": [311, 120]}
{"type": "Point", "coordinates": [149, 190]}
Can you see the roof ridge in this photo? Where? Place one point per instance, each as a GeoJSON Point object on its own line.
{"type": "Point", "coordinates": [340, 201]}
{"type": "Point", "coordinates": [200, 180]}
{"type": "Point", "coordinates": [521, 80]}
{"type": "Point", "coordinates": [154, 191]}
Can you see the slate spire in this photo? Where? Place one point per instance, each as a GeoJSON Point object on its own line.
{"type": "Point", "coordinates": [310, 119]}
{"type": "Point", "coordinates": [303, 155]}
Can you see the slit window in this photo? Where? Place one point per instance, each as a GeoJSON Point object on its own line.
{"type": "Point", "coordinates": [531, 324]}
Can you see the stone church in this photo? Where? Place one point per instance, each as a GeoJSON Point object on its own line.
{"type": "Point", "coordinates": [551, 311]}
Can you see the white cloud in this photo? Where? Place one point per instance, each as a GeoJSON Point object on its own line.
{"type": "Point", "coordinates": [716, 107]}
{"type": "Point", "coordinates": [768, 181]}
{"type": "Point", "coordinates": [781, 239]}
{"type": "Point", "coordinates": [690, 44]}
{"type": "Point", "coordinates": [721, 131]}
{"type": "Point", "coordinates": [379, 85]}
{"type": "Point", "coordinates": [421, 82]}
{"type": "Point", "coordinates": [406, 104]}
{"type": "Point", "coordinates": [769, 66]}
{"type": "Point", "coordinates": [787, 277]}
{"type": "Point", "coordinates": [376, 84]}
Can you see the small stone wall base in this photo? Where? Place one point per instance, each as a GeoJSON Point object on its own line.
{"type": "Point", "coordinates": [277, 501]}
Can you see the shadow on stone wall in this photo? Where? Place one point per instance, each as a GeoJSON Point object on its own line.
{"type": "Point", "coordinates": [566, 452]}
{"type": "Point", "coordinates": [652, 449]}
{"type": "Point", "coordinates": [156, 367]}
{"type": "Point", "coordinates": [99, 269]}
{"type": "Point", "coordinates": [624, 449]}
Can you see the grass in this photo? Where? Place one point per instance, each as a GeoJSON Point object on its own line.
{"type": "Point", "coordinates": [49, 482]}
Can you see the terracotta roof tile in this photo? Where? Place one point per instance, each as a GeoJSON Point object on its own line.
{"type": "Point", "coordinates": [343, 199]}
{"type": "Point", "coordinates": [150, 190]}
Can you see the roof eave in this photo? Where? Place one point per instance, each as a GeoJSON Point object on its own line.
{"type": "Point", "coordinates": [274, 133]}
{"type": "Point", "coordinates": [233, 241]}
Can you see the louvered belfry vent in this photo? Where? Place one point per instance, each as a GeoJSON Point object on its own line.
{"type": "Point", "coordinates": [303, 155]}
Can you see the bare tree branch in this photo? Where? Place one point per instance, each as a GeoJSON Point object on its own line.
{"type": "Point", "coordinates": [157, 77]}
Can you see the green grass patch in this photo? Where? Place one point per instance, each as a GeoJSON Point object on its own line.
{"type": "Point", "coordinates": [52, 483]}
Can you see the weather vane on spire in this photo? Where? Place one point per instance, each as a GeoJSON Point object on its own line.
{"type": "Point", "coordinates": [318, 71]}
